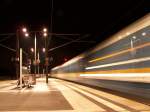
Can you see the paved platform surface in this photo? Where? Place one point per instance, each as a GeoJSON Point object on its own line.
{"type": "Point", "coordinates": [62, 96]}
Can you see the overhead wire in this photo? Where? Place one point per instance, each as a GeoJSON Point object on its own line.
{"type": "Point", "coordinates": [67, 43]}
{"type": "Point", "coordinates": [5, 38]}
{"type": "Point", "coordinates": [7, 48]}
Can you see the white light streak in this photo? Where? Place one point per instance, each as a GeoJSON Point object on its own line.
{"type": "Point", "coordinates": [120, 63]}
{"type": "Point", "coordinates": [117, 75]}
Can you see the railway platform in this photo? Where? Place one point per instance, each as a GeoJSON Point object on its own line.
{"type": "Point", "coordinates": [62, 96]}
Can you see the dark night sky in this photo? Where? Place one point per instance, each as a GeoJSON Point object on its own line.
{"type": "Point", "coordinates": [98, 18]}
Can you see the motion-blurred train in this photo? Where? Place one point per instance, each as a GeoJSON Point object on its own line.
{"type": "Point", "coordinates": [122, 62]}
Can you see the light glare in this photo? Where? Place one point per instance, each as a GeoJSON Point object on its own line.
{"type": "Point", "coordinates": [26, 34]}
{"type": "Point", "coordinates": [45, 34]}
{"type": "Point", "coordinates": [43, 49]}
{"type": "Point", "coordinates": [24, 30]}
{"type": "Point", "coordinates": [32, 50]}
{"type": "Point", "coordinates": [45, 30]}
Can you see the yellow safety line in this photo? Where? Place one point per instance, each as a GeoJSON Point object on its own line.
{"type": "Point", "coordinates": [137, 70]}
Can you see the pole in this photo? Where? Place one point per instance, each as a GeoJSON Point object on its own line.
{"type": "Point", "coordinates": [35, 58]}
{"type": "Point", "coordinates": [38, 62]}
{"type": "Point", "coordinates": [43, 73]}
{"type": "Point", "coordinates": [46, 60]}
{"type": "Point", "coordinates": [20, 68]}
{"type": "Point", "coordinates": [47, 42]}
{"type": "Point", "coordinates": [17, 54]}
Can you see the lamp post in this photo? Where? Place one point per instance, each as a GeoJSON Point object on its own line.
{"type": "Point", "coordinates": [35, 54]}
{"type": "Point", "coordinates": [35, 49]}
{"type": "Point", "coordinates": [19, 56]}
{"type": "Point", "coordinates": [24, 30]}
{"type": "Point", "coordinates": [46, 53]}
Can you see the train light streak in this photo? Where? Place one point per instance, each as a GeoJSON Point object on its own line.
{"type": "Point", "coordinates": [119, 53]}
{"type": "Point", "coordinates": [117, 75]}
{"type": "Point", "coordinates": [120, 63]}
